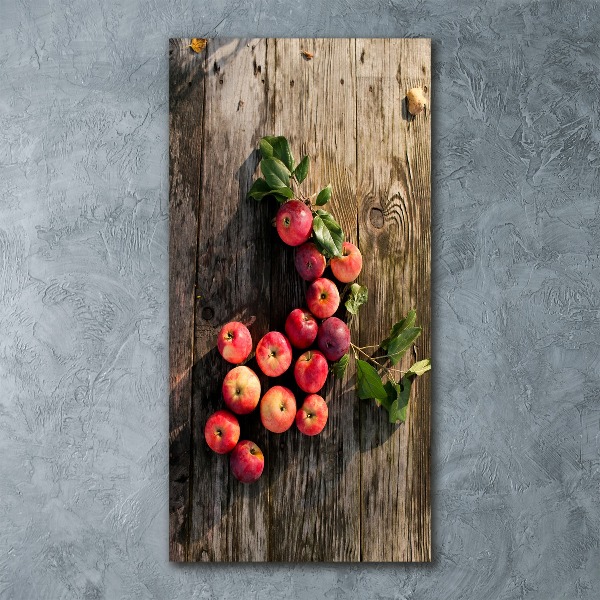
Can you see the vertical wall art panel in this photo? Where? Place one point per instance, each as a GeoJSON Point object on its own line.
{"type": "Point", "coordinates": [359, 490]}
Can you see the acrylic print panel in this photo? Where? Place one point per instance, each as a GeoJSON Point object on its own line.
{"type": "Point", "coordinates": [360, 490]}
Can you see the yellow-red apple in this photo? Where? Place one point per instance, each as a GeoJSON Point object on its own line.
{"type": "Point", "coordinates": [322, 298]}
{"type": "Point", "coordinates": [312, 415]}
{"type": "Point", "coordinates": [310, 371]}
{"type": "Point", "coordinates": [234, 342]}
{"type": "Point", "coordinates": [294, 222]}
{"type": "Point", "coordinates": [274, 354]}
{"type": "Point", "coordinates": [278, 409]}
{"type": "Point", "coordinates": [241, 390]}
{"type": "Point", "coordinates": [347, 267]}
{"type": "Point", "coordinates": [222, 432]}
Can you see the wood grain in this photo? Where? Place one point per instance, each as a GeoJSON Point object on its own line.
{"type": "Point", "coordinates": [228, 519]}
{"type": "Point", "coordinates": [315, 108]}
{"type": "Point", "coordinates": [186, 103]}
{"type": "Point", "coordinates": [394, 234]}
{"type": "Point", "coordinates": [360, 490]}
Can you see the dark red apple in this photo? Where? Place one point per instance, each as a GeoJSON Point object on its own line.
{"type": "Point", "coordinates": [310, 263]}
{"type": "Point", "coordinates": [247, 462]}
{"type": "Point", "coordinates": [333, 338]}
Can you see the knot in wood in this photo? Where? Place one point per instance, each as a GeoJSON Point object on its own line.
{"type": "Point", "coordinates": [376, 217]}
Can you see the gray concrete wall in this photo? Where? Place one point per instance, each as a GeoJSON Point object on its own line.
{"type": "Point", "coordinates": [83, 299]}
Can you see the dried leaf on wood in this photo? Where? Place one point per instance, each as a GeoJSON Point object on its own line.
{"type": "Point", "coordinates": [198, 44]}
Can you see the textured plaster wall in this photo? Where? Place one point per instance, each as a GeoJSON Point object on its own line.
{"type": "Point", "coordinates": [83, 299]}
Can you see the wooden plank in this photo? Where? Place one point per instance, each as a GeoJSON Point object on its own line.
{"type": "Point", "coordinates": [186, 96]}
{"type": "Point", "coordinates": [360, 491]}
{"type": "Point", "coordinates": [229, 520]}
{"type": "Point", "coordinates": [394, 189]}
{"type": "Point", "coordinates": [317, 478]}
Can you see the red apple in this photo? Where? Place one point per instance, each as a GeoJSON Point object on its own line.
{"type": "Point", "coordinates": [274, 354]}
{"type": "Point", "coordinates": [222, 431]}
{"type": "Point", "coordinates": [312, 416]}
{"type": "Point", "coordinates": [322, 298]}
{"type": "Point", "coordinates": [294, 222]}
{"type": "Point", "coordinates": [310, 263]}
{"type": "Point", "coordinates": [241, 390]}
{"type": "Point", "coordinates": [247, 462]}
{"type": "Point", "coordinates": [346, 268]}
{"type": "Point", "coordinates": [278, 409]}
{"type": "Point", "coordinates": [333, 338]}
{"type": "Point", "coordinates": [234, 342]}
{"type": "Point", "coordinates": [310, 371]}
{"type": "Point", "coordinates": [301, 328]}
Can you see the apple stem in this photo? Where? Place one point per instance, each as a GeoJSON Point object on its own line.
{"type": "Point", "coordinates": [388, 371]}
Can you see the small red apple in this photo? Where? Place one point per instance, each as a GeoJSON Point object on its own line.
{"type": "Point", "coordinates": [234, 342]}
{"type": "Point", "coordinates": [310, 263]}
{"type": "Point", "coordinates": [247, 462]}
{"type": "Point", "coordinates": [333, 338]}
{"type": "Point", "coordinates": [310, 371]}
{"type": "Point", "coordinates": [278, 409]}
{"type": "Point", "coordinates": [274, 354]}
{"type": "Point", "coordinates": [301, 328]}
{"type": "Point", "coordinates": [222, 432]}
{"type": "Point", "coordinates": [241, 390]}
{"type": "Point", "coordinates": [322, 298]}
{"type": "Point", "coordinates": [347, 267]}
{"type": "Point", "coordinates": [312, 415]}
{"type": "Point", "coordinates": [294, 222]}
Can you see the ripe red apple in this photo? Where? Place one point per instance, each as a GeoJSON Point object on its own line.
{"type": "Point", "coordinates": [310, 371]}
{"type": "Point", "coordinates": [333, 338]}
{"type": "Point", "coordinates": [278, 409]}
{"type": "Point", "coordinates": [222, 432]}
{"type": "Point", "coordinates": [234, 342]}
{"type": "Point", "coordinates": [301, 328]}
{"type": "Point", "coordinates": [274, 354]}
{"type": "Point", "coordinates": [312, 415]}
{"type": "Point", "coordinates": [247, 462]}
{"type": "Point", "coordinates": [241, 390]}
{"type": "Point", "coordinates": [346, 268]}
{"type": "Point", "coordinates": [322, 298]}
{"type": "Point", "coordinates": [310, 263]}
{"type": "Point", "coordinates": [294, 222]}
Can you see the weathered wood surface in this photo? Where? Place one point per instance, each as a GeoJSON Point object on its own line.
{"type": "Point", "coordinates": [359, 491]}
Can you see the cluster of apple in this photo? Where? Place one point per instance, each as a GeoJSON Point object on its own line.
{"type": "Point", "coordinates": [241, 387]}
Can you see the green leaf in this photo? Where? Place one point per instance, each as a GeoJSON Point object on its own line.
{"type": "Point", "coordinates": [284, 192]}
{"type": "Point", "coordinates": [399, 327]}
{"type": "Point", "coordinates": [275, 172]}
{"type": "Point", "coordinates": [260, 188]}
{"type": "Point", "coordinates": [266, 149]}
{"type": "Point", "coordinates": [272, 146]}
{"type": "Point", "coordinates": [401, 343]}
{"type": "Point", "coordinates": [301, 170]}
{"type": "Point", "coordinates": [282, 151]}
{"type": "Point", "coordinates": [357, 296]}
{"type": "Point", "coordinates": [397, 411]}
{"type": "Point", "coordinates": [369, 382]}
{"type": "Point", "coordinates": [339, 367]}
{"type": "Point", "coordinates": [324, 196]}
{"type": "Point", "coordinates": [329, 236]}
{"type": "Point", "coordinates": [419, 368]}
